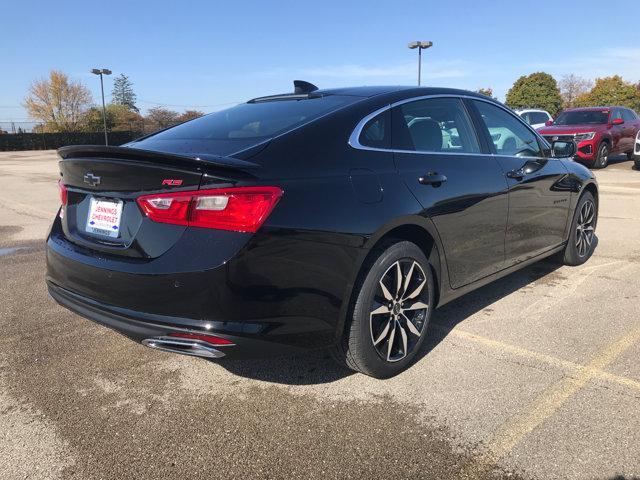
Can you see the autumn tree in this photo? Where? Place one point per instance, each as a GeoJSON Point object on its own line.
{"type": "Point", "coordinates": [190, 115]}
{"type": "Point", "coordinates": [123, 94]}
{"type": "Point", "coordinates": [119, 118]}
{"type": "Point", "coordinates": [486, 91]}
{"type": "Point", "coordinates": [92, 120]}
{"type": "Point", "coordinates": [538, 90]}
{"type": "Point", "coordinates": [57, 102]}
{"type": "Point", "coordinates": [160, 117]}
{"type": "Point", "coordinates": [572, 87]}
{"type": "Point", "coordinates": [611, 91]}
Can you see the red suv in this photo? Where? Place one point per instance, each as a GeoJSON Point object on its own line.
{"type": "Point", "coordinates": [597, 131]}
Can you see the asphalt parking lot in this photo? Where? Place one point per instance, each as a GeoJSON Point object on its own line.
{"type": "Point", "coordinates": [534, 376]}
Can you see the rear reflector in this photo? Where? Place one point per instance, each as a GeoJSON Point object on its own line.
{"type": "Point", "coordinates": [212, 339]}
{"type": "Point", "coordinates": [62, 190]}
{"type": "Point", "coordinates": [242, 209]}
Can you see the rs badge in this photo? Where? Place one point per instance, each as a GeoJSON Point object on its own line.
{"type": "Point", "coordinates": [171, 182]}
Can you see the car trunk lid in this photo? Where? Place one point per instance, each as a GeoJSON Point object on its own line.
{"type": "Point", "coordinates": [102, 184]}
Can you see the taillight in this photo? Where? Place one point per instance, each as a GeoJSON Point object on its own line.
{"type": "Point", "coordinates": [62, 190]}
{"type": "Point", "coordinates": [242, 209]}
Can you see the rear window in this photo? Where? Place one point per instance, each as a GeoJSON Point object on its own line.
{"type": "Point", "coordinates": [582, 117]}
{"type": "Point", "coordinates": [248, 124]}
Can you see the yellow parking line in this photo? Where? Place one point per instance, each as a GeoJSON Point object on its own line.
{"type": "Point", "coordinates": [517, 427]}
{"type": "Point", "coordinates": [549, 359]}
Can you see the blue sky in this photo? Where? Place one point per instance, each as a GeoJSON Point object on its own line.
{"type": "Point", "coordinates": [208, 54]}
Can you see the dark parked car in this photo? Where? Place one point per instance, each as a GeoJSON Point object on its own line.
{"type": "Point", "coordinates": [598, 132]}
{"type": "Point", "coordinates": [323, 218]}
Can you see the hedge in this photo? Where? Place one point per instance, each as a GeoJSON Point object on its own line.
{"type": "Point", "coordinates": [49, 141]}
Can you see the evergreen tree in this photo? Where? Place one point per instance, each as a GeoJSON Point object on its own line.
{"type": "Point", "coordinates": [538, 90]}
{"type": "Point", "coordinates": [122, 93]}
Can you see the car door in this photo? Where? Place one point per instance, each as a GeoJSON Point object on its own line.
{"type": "Point", "coordinates": [630, 128]}
{"type": "Point", "coordinates": [461, 189]}
{"type": "Point", "coordinates": [617, 131]}
{"type": "Point", "coordinates": [538, 202]}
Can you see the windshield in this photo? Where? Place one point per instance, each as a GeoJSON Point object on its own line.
{"type": "Point", "coordinates": [582, 117]}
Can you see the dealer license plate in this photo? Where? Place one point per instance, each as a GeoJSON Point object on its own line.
{"type": "Point", "coordinates": [104, 217]}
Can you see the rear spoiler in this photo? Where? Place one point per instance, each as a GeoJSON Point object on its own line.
{"type": "Point", "coordinates": [204, 161]}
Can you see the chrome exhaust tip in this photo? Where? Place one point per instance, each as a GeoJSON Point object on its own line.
{"type": "Point", "coordinates": [194, 348]}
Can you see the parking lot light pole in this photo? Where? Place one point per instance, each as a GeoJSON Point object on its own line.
{"type": "Point", "coordinates": [420, 45]}
{"type": "Point", "coordinates": [103, 71]}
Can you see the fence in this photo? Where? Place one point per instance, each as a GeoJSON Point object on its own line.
{"type": "Point", "coordinates": [48, 141]}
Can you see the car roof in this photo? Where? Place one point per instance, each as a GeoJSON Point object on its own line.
{"type": "Point", "coordinates": [526, 110]}
{"type": "Point", "coordinates": [402, 90]}
{"type": "Point", "coordinates": [398, 91]}
{"type": "Point", "coordinates": [592, 109]}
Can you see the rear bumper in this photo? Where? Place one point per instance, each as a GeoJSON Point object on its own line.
{"type": "Point", "coordinates": [267, 294]}
{"type": "Point", "coordinates": [247, 338]}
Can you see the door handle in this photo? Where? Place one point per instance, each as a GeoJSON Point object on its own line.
{"type": "Point", "coordinates": [517, 174]}
{"type": "Point", "coordinates": [432, 178]}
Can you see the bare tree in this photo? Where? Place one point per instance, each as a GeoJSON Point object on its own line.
{"type": "Point", "coordinates": [572, 87]}
{"type": "Point", "coordinates": [58, 102]}
{"type": "Point", "coordinates": [160, 117]}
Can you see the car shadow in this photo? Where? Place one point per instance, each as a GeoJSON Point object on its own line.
{"type": "Point", "coordinates": [617, 161]}
{"type": "Point", "coordinates": [446, 318]}
{"type": "Point", "coordinates": [317, 367]}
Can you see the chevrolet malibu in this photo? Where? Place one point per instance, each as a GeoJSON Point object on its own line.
{"type": "Point", "coordinates": [336, 219]}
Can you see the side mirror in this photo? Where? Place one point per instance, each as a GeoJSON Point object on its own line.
{"type": "Point", "coordinates": [617, 121]}
{"type": "Point", "coordinates": [548, 123]}
{"type": "Point", "coordinates": [563, 149]}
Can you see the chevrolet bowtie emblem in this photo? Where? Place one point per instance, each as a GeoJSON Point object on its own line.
{"type": "Point", "coordinates": [91, 179]}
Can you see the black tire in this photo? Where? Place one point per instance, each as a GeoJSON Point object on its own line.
{"type": "Point", "coordinates": [389, 355]}
{"type": "Point", "coordinates": [637, 163]}
{"type": "Point", "coordinates": [630, 155]}
{"type": "Point", "coordinates": [602, 157]}
{"type": "Point", "coordinates": [580, 246]}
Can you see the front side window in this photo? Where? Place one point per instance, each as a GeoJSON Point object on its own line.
{"type": "Point", "coordinates": [628, 115]}
{"type": "Point", "coordinates": [617, 114]}
{"type": "Point", "coordinates": [508, 134]}
{"type": "Point", "coordinates": [433, 125]}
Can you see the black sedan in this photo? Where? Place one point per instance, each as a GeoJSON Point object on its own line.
{"type": "Point", "coordinates": [318, 219]}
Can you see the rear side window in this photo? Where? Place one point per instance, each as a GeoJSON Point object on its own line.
{"type": "Point", "coordinates": [377, 132]}
{"type": "Point", "coordinates": [508, 134]}
{"type": "Point", "coordinates": [433, 125]}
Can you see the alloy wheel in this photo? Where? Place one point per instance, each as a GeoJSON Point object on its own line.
{"type": "Point", "coordinates": [636, 146]}
{"type": "Point", "coordinates": [585, 228]}
{"type": "Point", "coordinates": [399, 310]}
{"type": "Point", "coordinates": [604, 156]}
